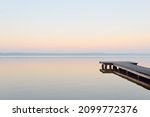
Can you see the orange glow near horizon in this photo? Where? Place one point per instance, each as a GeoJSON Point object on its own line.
{"type": "Point", "coordinates": [75, 43]}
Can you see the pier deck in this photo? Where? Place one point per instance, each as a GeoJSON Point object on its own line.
{"type": "Point", "coordinates": [128, 70]}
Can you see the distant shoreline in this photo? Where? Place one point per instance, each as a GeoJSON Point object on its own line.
{"type": "Point", "coordinates": [48, 55]}
{"type": "Point", "coordinates": [51, 54]}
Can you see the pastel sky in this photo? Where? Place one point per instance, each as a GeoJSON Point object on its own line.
{"type": "Point", "coordinates": [75, 26]}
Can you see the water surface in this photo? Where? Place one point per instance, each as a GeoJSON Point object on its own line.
{"type": "Point", "coordinates": [67, 77]}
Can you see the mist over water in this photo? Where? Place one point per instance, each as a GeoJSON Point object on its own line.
{"type": "Point", "coordinates": [66, 76]}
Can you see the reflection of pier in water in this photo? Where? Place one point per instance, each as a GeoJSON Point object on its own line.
{"type": "Point", "coordinates": [128, 70]}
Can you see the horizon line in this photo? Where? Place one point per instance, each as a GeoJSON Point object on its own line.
{"type": "Point", "coordinates": [72, 53]}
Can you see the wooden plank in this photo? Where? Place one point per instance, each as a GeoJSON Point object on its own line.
{"type": "Point", "coordinates": [113, 62]}
{"type": "Point", "coordinates": [134, 68]}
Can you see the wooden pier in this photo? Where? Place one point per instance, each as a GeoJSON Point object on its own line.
{"type": "Point", "coordinates": [128, 70]}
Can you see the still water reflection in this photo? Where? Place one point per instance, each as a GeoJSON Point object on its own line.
{"type": "Point", "coordinates": [66, 78]}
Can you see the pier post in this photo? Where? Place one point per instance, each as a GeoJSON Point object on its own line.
{"type": "Point", "coordinates": [110, 67]}
{"type": "Point", "coordinates": [103, 66]}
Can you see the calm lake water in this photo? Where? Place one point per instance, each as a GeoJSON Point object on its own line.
{"type": "Point", "coordinates": [67, 77]}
